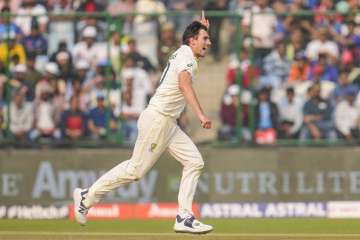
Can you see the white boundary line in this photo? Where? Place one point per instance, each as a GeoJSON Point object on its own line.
{"type": "Point", "coordinates": [10, 233]}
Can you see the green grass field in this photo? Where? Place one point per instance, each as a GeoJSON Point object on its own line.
{"type": "Point", "coordinates": [245, 229]}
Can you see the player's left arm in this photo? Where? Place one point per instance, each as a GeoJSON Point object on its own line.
{"type": "Point", "coordinates": [185, 86]}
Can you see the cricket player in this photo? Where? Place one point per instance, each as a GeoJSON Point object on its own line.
{"type": "Point", "coordinates": [159, 131]}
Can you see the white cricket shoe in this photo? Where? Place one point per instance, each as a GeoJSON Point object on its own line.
{"type": "Point", "coordinates": [80, 210]}
{"type": "Point", "coordinates": [190, 225]}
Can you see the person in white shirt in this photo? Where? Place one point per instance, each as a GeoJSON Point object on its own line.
{"type": "Point", "coordinates": [291, 117]}
{"type": "Point", "coordinates": [347, 117]}
{"type": "Point", "coordinates": [88, 49]}
{"type": "Point", "coordinates": [322, 44]}
{"type": "Point", "coordinates": [158, 131]}
{"type": "Point", "coordinates": [21, 116]}
{"type": "Point", "coordinates": [28, 10]}
{"type": "Point", "coordinates": [259, 22]}
{"type": "Point", "coordinates": [130, 112]}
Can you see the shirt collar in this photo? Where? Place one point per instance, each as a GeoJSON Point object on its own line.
{"type": "Point", "coordinates": [188, 49]}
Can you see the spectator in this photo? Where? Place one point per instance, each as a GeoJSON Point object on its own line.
{"type": "Point", "coordinates": [130, 113]}
{"type": "Point", "coordinates": [140, 60]}
{"type": "Point", "coordinates": [12, 53]}
{"type": "Point", "coordinates": [115, 46]}
{"type": "Point", "coordinates": [146, 28]}
{"type": "Point", "coordinates": [61, 28]}
{"type": "Point", "coordinates": [83, 72]}
{"type": "Point", "coordinates": [180, 22]}
{"type": "Point", "coordinates": [216, 26]}
{"type": "Point", "coordinates": [63, 60]}
{"type": "Point", "coordinates": [73, 87]}
{"type": "Point", "coordinates": [120, 7]}
{"type": "Point", "coordinates": [168, 44]}
{"type": "Point", "coordinates": [249, 73]}
{"type": "Point", "coordinates": [29, 13]}
{"type": "Point", "coordinates": [302, 23]}
{"type": "Point", "coordinates": [104, 83]}
{"type": "Point", "coordinates": [48, 82]}
{"type": "Point", "coordinates": [90, 6]}
{"type": "Point", "coordinates": [88, 49]}
{"type": "Point", "coordinates": [95, 22]}
{"type": "Point", "coordinates": [299, 70]}
{"type": "Point", "coordinates": [348, 37]}
{"type": "Point", "coordinates": [59, 100]}
{"type": "Point", "coordinates": [142, 87]}
{"type": "Point", "coordinates": [262, 32]}
{"type": "Point", "coordinates": [290, 115]}
{"type": "Point", "coordinates": [323, 70]}
{"type": "Point", "coordinates": [353, 70]}
{"type": "Point", "coordinates": [321, 18]}
{"type": "Point", "coordinates": [279, 9]}
{"type": "Point", "coordinates": [228, 115]}
{"type": "Point", "coordinates": [73, 121]}
{"type": "Point", "coordinates": [62, 47]}
{"type": "Point", "coordinates": [21, 116]}
{"type": "Point", "coordinates": [318, 122]}
{"type": "Point", "coordinates": [20, 83]}
{"type": "Point", "coordinates": [7, 26]}
{"type": "Point", "coordinates": [343, 88]}
{"type": "Point", "coordinates": [296, 44]}
{"type": "Point", "coordinates": [96, 87]}
{"type": "Point", "coordinates": [33, 76]}
{"type": "Point", "coordinates": [354, 6]}
{"type": "Point", "coordinates": [99, 118]}
{"type": "Point", "coordinates": [35, 42]}
{"type": "Point", "coordinates": [322, 44]}
{"type": "Point", "coordinates": [347, 117]}
{"type": "Point", "coordinates": [276, 68]}
{"type": "Point", "coordinates": [45, 123]}
{"type": "Point", "coordinates": [266, 115]}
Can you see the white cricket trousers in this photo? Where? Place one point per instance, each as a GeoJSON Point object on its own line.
{"type": "Point", "coordinates": [156, 134]}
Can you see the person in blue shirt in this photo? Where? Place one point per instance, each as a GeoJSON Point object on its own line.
{"type": "Point", "coordinates": [343, 87]}
{"type": "Point", "coordinates": [323, 70]}
{"type": "Point", "coordinates": [318, 117]}
{"type": "Point", "coordinates": [6, 26]}
{"type": "Point", "coordinates": [35, 42]}
{"type": "Point", "coordinates": [266, 111]}
{"type": "Point", "coordinates": [99, 117]}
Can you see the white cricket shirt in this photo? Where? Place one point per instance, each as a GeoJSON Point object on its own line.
{"type": "Point", "coordinates": [168, 98]}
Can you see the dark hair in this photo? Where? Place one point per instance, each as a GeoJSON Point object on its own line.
{"type": "Point", "coordinates": [192, 30]}
{"type": "Point", "coordinates": [290, 90]}
{"type": "Point", "coordinates": [5, 10]}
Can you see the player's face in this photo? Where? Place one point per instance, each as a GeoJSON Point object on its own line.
{"type": "Point", "coordinates": [201, 43]}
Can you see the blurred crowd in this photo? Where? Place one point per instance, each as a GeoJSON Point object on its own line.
{"type": "Point", "coordinates": [300, 72]}
{"type": "Point", "coordinates": [74, 77]}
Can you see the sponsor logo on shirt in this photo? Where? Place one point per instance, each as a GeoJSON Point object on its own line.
{"type": "Point", "coordinates": [152, 147]}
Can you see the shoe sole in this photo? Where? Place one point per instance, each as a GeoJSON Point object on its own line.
{"type": "Point", "coordinates": [184, 231]}
{"type": "Point", "coordinates": [76, 198]}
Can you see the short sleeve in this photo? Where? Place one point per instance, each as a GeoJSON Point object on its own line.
{"type": "Point", "coordinates": [185, 62]}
